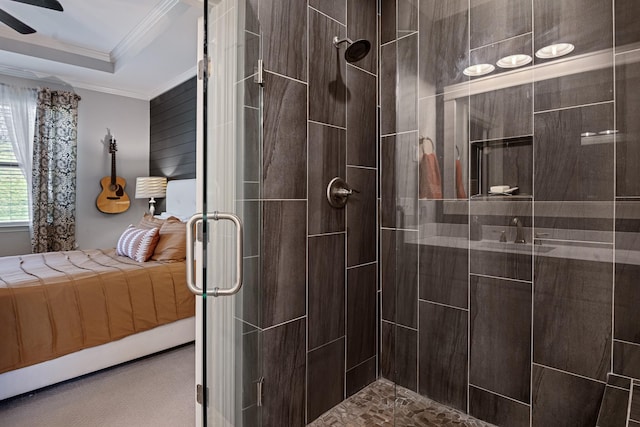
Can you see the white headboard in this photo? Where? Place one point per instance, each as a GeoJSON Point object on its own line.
{"type": "Point", "coordinates": [181, 198]}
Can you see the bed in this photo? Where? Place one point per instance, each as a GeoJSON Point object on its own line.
{"type": "Point", "coordinates": [66, 314]}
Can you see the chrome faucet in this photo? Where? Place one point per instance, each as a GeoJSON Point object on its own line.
{"type": "Point", "coordinates": [519, 234]}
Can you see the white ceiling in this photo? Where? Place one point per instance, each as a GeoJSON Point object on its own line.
{"type": "Point", "coordinates": [135, 48]}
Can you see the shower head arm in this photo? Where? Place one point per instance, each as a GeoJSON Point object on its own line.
{"type": "Point", "coordinates": [337, 42]}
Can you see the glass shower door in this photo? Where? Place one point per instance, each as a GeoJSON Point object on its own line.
{"type": "Point", "coordinates": [225, 231]}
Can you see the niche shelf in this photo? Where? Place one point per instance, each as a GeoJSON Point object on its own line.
{"type": "Point", "coordinates": [502, 162]}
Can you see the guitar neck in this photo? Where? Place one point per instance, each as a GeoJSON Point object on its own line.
{"type": "Point", "coordinates": [113, 168]}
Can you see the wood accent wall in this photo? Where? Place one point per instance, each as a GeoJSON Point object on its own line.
{"type": "Point", "coordinates": [172, 149]}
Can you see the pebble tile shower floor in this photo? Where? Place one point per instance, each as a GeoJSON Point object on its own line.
{"type": "Point", "coordinates": [373, 407]}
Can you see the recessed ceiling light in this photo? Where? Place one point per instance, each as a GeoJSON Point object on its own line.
{"type": "Point", "coordinates": [587, 134]}
{"type": "Point", "coordinates": [478, 70]}
{"type": "Point", "coordinates": [608, 132]}
{"type": "Point", "coordinates": [555, 50]}
{"type": "Point", "coordinates": [514, 61]}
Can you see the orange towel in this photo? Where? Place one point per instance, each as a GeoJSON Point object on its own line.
{"type": "Point", "coordinates": [430, 186]}
{"type": "Point", "coordinates": [460, 193]}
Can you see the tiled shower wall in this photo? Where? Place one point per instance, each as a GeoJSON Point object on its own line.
{"type": "Point", "coordinates": [317, 265]}
{"type": "Point", "coordinates": [516, 334]}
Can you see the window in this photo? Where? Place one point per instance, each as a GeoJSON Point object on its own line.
{"type": "Point", "coordinates": [14, 199]}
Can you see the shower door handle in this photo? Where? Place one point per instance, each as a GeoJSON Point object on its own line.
{"type": "Point", "coordinates": [216, 292]}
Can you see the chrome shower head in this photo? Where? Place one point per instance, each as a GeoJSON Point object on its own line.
{"type": "Point", "coordinates": [356, 50]}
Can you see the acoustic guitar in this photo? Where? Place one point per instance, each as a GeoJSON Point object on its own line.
{"type": "Point", "coordinates": [113, 199]}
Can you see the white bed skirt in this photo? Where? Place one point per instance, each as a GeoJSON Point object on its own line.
{"type": "Point", "coordinates": [93, 359]}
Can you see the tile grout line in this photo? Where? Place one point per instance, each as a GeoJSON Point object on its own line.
{"type": "Point", "coordinates": [629, 404]}
{"type": "Point", "coordinates": [444, 305]}
{"type": "Point", "coordinates": [418, 214]}
{"type": "Point", "coordinates": [346, 230]}
{"type": "Point", "coordinates": [628, 343]}
{"type": "Point", "coordinates": [329, 233]}
{"type": "Point", "coordinates": [360, 69]}
{"type": "Point", "coordinates": [614, 191]}
{"type": "Point", "coordinates": [315, 122]}
{"type": "Point", "coordinates": [284, 323]}
{"type": "Point", "coordinates": [399, 229]}
{"type": "Point", "coordinates": [533, 221]}
{"type": "Point", "coordinates": [378, 239]}
{"type": "Point", "coordinates": [468, 388]}
{"type": "Point", "coordinates": [502, 41]}
{"type": "Point", "coordinates": [366, 264]}
{"type": "Point", "coordinates": [313, 8]}
{"type": "Point", "coordinates": [308, 327]}
{"type": "Point", "coordinates": [569, 373]}
{"type": "Point", "coordinates": [395, 234]}
{"type": "Point", "coordinates": [476, 141]}
{"type": "Point", "coordinates": [287, 77]}
{"type": "Point", "coordinates": [618, 387]}
{"type": "Point", "coordinates": [529, 282]}
{"type": "Point", "coordinates": [499, 394]}
{"type": "Point", "coordinates": [328, 343]}
{"type": "Point", "coordinates": [572, 107]}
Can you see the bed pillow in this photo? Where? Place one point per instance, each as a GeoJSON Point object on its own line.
{"type": "Point", "coordinates": [172, 245]}
{"type": "Point", "coordinates": [138, 243]}
{"type": "Point", "coordinates": [150, 221]}
{"type": "Point", "coordinates": [167, 215]}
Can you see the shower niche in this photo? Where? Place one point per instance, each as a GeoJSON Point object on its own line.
{"type": "Point", "coordinates": [506, 162]}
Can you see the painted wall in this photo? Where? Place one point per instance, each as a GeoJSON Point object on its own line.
{"type": "Point", "coordinates": [128, 120]}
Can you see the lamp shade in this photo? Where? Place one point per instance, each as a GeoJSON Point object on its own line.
{"type": "Point", "coordinates": [151, 186]}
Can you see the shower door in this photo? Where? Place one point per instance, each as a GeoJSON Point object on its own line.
{"type": "Point", "coordinates": [223, 235]}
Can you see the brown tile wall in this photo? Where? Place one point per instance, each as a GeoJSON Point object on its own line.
{"type": "Point", "coordinates": [317, 268]}
{"type": "Point", "coordinates": [517, 334]}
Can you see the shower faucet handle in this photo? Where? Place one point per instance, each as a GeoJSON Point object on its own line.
{"type": "Point", "coordinates": [346, 190]}
{"type": "Point", "coordinates": [338, 192]}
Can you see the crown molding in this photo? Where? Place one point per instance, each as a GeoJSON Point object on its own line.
{"type": "Point", "coordinates": [131, 40]}
{"type": "Point", "coordinates": [37, 40]}
{"type": "Point", "coordinates": [69, 84]}
{"type": "Point", "coordinates": [38, 46]}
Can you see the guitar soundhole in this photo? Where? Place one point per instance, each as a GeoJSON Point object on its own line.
{"type": "Point", "coordinates": [117, 189]}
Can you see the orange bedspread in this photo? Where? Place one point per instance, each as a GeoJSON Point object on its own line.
{"type": "Point", "coordinates": [56, 303]}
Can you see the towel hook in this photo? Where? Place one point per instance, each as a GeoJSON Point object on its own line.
{"type": "Point", "coordinates": [433, 147]}
{"type": "Point", "coordinates": [457, 153]}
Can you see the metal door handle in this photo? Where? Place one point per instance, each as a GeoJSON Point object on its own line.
{"type": "Point", "coordinates": [216, 292]}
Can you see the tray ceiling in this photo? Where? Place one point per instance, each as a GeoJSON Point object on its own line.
{"type": "Point", "coordinates": [135, 48]}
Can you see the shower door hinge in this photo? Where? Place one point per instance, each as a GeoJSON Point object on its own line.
{"type": "Point", "coordinates": [204, 67]}
{"type": "Point", "coordinates": [259, 389]}
{"type": "Point", "coordinates": [202, 394]}
{"type": "Point", "coordinates": [259, 73]}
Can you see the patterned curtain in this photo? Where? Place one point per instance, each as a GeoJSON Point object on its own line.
{"type": "Point", "coordinates": [54, 171]}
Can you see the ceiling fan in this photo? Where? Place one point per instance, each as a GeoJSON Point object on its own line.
{"type": "Point", "coordinates": [20, 26]}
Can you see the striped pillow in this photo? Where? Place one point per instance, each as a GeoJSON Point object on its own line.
{"type": "Point", "coordinates": [138, 243]}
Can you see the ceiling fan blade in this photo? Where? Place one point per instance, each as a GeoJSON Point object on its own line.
{"type": "Point", "coordinates": [48, 4]}
{"type": "Point", "coordinates": [15, 23]}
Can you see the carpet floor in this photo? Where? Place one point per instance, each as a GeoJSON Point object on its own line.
{"type": "Point", "coordinates": [154, 391]}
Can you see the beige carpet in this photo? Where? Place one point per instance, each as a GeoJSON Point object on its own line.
{"type": "Point", "coordinates": [156, 391]}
